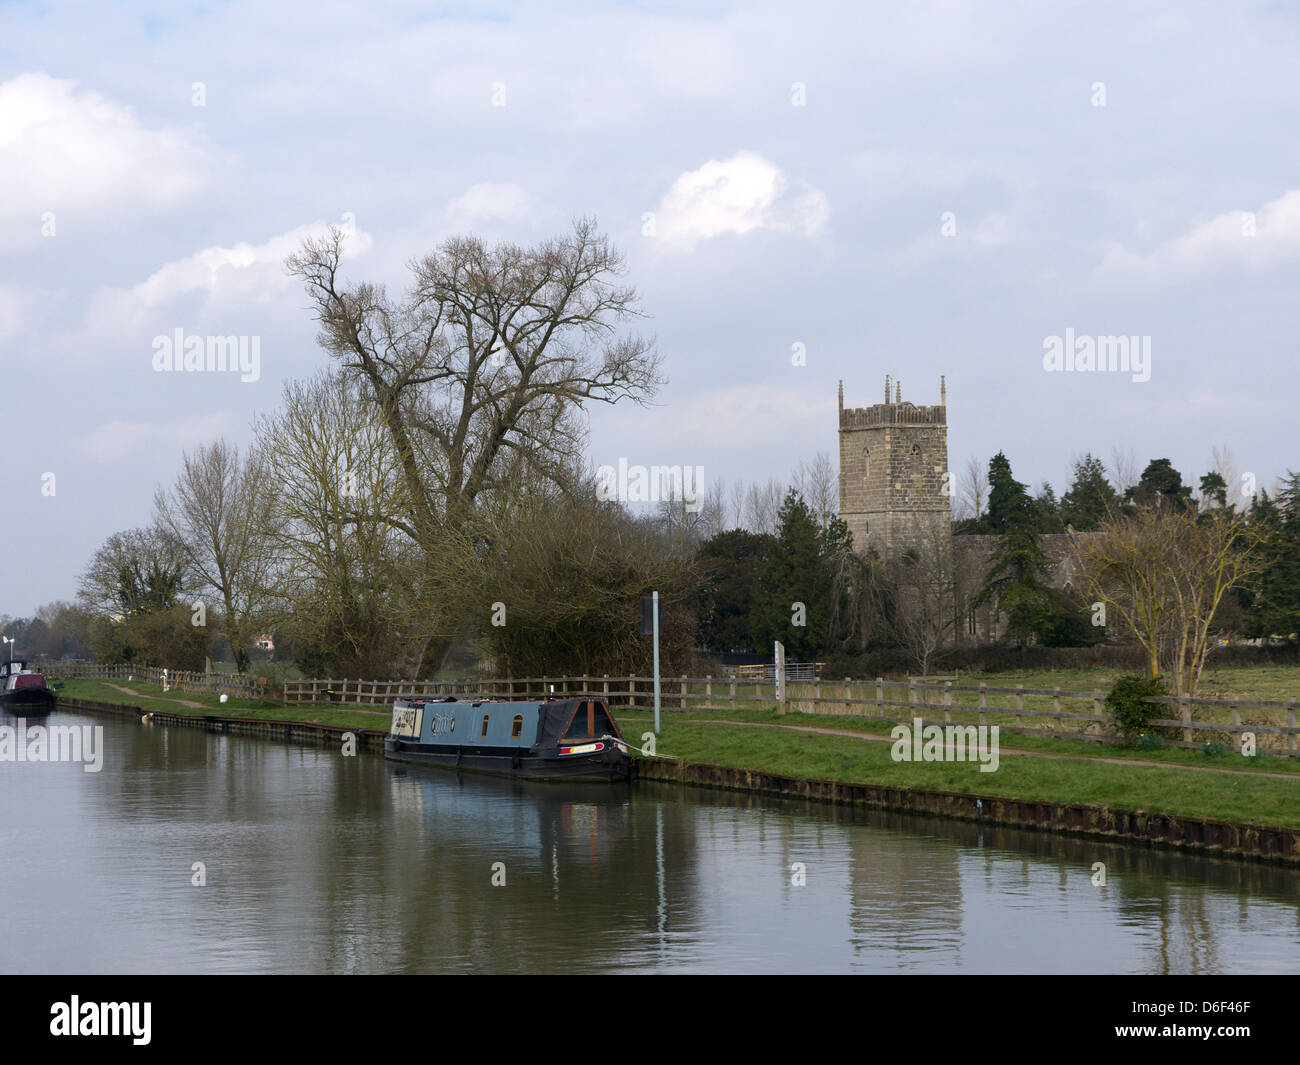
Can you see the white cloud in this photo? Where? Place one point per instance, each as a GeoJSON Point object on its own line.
{"type": "Point", "coordinates": [1261, 239]}
{"type": "Point", "coordinates": [240, 274]}
{"type": "Point", "coordinates": [492, 201]}
{"type": "Point", "coordinates": [738, 195]}
{"type": "Point", "coordinates": [67, 150]}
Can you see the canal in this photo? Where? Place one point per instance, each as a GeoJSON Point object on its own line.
{"type": "Point", "coordinates": [314, 862]}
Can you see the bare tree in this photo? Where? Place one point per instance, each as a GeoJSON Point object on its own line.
{"type": "Point", "coordinates": [1125, 466]}
{"type": "Point", "coordinates": [974, 490]}
{"type": "Point", "coordinates": [762, 507]}
{"type": "Point", "coordinates": [219, 512]}
{"type": "Point", "coordinates": [817, 482]}
{"type": "Point", "coordinates": [1165, 574]}
{"type": "Point", "coordinates": [925, 584]}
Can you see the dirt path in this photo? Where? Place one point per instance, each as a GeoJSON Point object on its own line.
{"type": "Point", "coordinates": [157, 698]}
{"type": "Point", "coordinates": [1024, 754]}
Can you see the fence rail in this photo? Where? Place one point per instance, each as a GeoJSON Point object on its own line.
{"type": "Point", "coordinates": [239, 684]}
{"type": "Point", "coordinates": [1027, 711]}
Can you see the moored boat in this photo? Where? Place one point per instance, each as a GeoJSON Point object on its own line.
{"type": "Point", "coordinates": [23, 691]}
{"type": "Point", "coordinates": [559, 739]}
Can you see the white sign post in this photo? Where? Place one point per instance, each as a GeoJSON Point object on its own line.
{"type": "Point", "coordinates": [780, 677]}
{"type": "Point", "coordinates": [655, 614]}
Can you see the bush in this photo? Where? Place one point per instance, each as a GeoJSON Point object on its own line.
{"type": "Point", "coordinates": [1214, 749]}
{"type": "Point", "coordinates": [1149, 741]}
{"type": "Point", "coordinates": [1127, 706]}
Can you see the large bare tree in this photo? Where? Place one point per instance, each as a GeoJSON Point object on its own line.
{"type": "Point", "coordinates": [479, 369]}
{"type": "Point", "coordinates": [219, 512]}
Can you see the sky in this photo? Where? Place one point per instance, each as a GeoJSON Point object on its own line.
{"type": "Point", "coordinates": [805, 193]}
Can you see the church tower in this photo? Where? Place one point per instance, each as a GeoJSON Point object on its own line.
{"type": "Point", "coordinates": [894, 471]}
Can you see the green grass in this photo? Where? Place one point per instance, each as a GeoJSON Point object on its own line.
{"type": "Point", "coordinates": [152, 697]}
{"type": "Point", "coordinates": [1083, 780]}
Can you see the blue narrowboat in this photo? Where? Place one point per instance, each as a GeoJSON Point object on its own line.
{"type": "Point", "coordinates": [559, 739]}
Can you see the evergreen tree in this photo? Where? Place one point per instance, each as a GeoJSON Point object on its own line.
{"type": "Point", "coordinates": [1160, 486]}
{"type": "Point", "coordinates": [1272, 601]}
{"type": "Point", "coordinates": [1049, 510]}
{"type": "Point", "coordinates": [730, 563]}
{"type": "Point", "coordinates": [1017, 574]}
{"type": "Point", "coordinates": [1214, 489]}
{"type": "Point", "coordinates": [1005, 494]}
{"type": "Point", "coordinates": [794, 587]}
{"type": "Point", "coordinates": [1090, 498]}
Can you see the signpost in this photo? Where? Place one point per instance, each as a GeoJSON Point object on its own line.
{"type": "Point", "coordinates": [650, 627]}
{"type": "Point", "coordinates": [780, 677]}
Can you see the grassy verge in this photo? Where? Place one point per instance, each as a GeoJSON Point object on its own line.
{"type": "Point", "coordinates": [1085, 779]}
{"type": "Point", "coordinates": [152, 697]}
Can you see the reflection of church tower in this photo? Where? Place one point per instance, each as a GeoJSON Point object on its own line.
{"type": "Point", "coordinates": [894, 479]}
{"type": "Point", "coordinates": [905, 897]}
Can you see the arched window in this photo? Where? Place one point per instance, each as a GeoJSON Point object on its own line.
{"type": "Point", "coordinates": [866, 463]}
{"type": "Point", "coordinates": [517, 727]}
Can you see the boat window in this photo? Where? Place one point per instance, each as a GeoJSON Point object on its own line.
{"type": "Point", "coordinates": [604, 723]}
{"type": "Point", "coordinates": [580, 726]}
{"type": "Point", "coordinates": [485, 725]}
{"type": "Point", "coordinates": [517, 727]}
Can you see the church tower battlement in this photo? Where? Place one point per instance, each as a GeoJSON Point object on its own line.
{"type": "Point", "coordinates": [894, 471]}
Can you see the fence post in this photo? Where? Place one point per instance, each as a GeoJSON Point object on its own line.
{"type": "Point", "coordinates": [1290, 720]}
{"type": "Point", "coordinates": [947, 702]}
{"type": "Point", "coordinates": [984, 702]}
{"type": "Point", "coordinates": [1236, 723]}
{"type": "Point", "coordinates": [1097, 711]}
{"type": "Point", "coordinates": [880, 697]}
{"type": "Point", "coordinates": [848, 706]}
{"type": "Point", "coordinates": [683, 691]}
{"type": "Point", "coordinates": [1020, 702]}
{"type": "Point", "coordinates": [732, 692]}
{"type": "Point", "coordinates": [911, 690]}
{"type": "Point", "coordinates": [1056, 707]}
{"type": "Point", "coordinates": [1186, 707]}
{"type": "Point", "coordinates": [708, 693]}
{"type": "Point", "coordinates": [817, 695]}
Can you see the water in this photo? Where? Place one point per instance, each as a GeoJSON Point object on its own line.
{"type": "Point", "coordinates": [320, 863]}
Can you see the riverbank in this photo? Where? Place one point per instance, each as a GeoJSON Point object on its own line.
{"type": "Point", "coordinates": [1251, 813]}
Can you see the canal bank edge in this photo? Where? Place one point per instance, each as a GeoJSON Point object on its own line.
{"type": "Point", "coordinates": [1264, 843]}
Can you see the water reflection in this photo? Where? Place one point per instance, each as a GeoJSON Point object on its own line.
{"type": "Point", "coordinates": [320, 863]}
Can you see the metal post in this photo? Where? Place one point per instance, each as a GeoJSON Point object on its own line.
{"type": "Point", "coordinates": [655, 621]}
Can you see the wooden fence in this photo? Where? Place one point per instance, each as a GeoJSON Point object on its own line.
{"type": "Point", "coordinates": [1027, 711]}
{"type": "Point", "coordinates": [239, 684]}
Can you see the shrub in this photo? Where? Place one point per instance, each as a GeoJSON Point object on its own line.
{"type": "Point", "coordinates": [1213, 749]}
{"type": "Point", "coordinates": [1127, 706]}
{"type": "Point", "coordinates": [1149, 741]}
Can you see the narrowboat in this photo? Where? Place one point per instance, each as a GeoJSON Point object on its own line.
{"type": "Point", "coordinates": [23, 691]}
{"type": "Point", "coordinates": [559, 739]}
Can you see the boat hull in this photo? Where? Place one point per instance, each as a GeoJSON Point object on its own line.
{"type": "Point", "coordinates": [28, 702]}
{"type": "Point", "coordinates": [607, 766]}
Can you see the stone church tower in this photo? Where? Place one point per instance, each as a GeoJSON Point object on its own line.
{"type": "Point", "coordinates": [894, 471]}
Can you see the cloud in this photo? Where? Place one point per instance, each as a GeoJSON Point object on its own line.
{"type": "Point", "coordinates": [68, 150]}
{"type": "Point", "coordinates": [492, 201]}
{"type": "Point", "coordinates": [738, 195]}
{"type": "Point", "coordinates": [1235, 238]}
{"type": "Point", "coordinates": [11, 311]}
{"type": "Point", "coordinates": [240, 274]}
